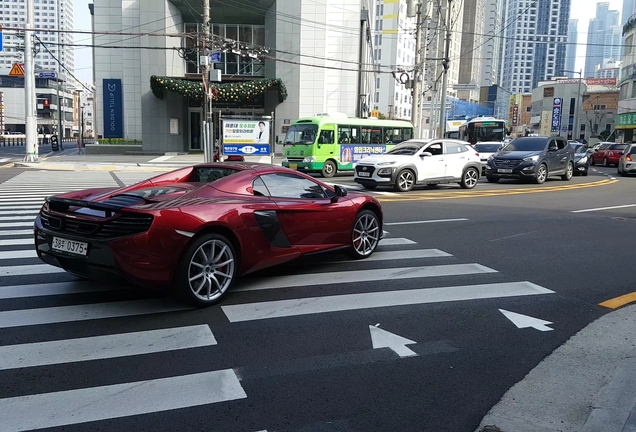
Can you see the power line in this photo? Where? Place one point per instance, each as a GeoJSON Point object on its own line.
{"type": "Point", "coordinates": [60, 63]}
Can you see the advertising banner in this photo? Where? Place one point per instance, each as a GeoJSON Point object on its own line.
{"type": "Point", "coordinates": [246, 137]}
{"type": "Point", "coordinates": [113, 108]}
{"type": "Point", "coordinates": [353, 153]}
{"type": "Point", "coordinates": [556, 115]}
{"type": "Point", "coordinates": [515, 115]}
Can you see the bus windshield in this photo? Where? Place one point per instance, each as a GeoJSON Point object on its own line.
{"type": "Point", "coordinates": [301, 134]}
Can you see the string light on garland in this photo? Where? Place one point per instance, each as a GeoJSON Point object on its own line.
{"type": "Point", "coordinates": [227, 92]}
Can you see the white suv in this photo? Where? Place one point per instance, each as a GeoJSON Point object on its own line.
{"type": "Point", "coordinates": [423, 162]}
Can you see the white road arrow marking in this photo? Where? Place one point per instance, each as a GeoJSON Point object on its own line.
{"type": "Point", "coordinates": [524, 321]}
{"type": "Point", "coordinates": [383, 339]}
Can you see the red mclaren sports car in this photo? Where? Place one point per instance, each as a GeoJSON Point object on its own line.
{"type": "Point", "coordinates": [196, 229]}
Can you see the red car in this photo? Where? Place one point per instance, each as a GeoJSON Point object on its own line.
{"type": "Point", "coordinates": [608, 154]}
{"type": "Point", "coordinates": [195, 230]}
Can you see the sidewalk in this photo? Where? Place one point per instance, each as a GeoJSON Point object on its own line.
{"type": "Point", "coordinates": [586, 385]}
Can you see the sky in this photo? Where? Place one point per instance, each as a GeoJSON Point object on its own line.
{"type": "Point", "coordinates": [583, 10]}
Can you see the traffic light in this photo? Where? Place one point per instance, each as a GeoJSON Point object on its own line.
{"type": "Point", "coordinates": [46, 104]}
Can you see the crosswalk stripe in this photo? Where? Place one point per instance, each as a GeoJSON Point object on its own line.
{"type": "Point", "coordinates": [28, 232]}
{"type": "Point", "coordinates": [347, 302]}
{"type": "Point", "coordinates": [14, 218]}
{"type": "Point", "coordinates": [50, 289]}
{"type": "Point", "coordinates": [33, 207]}
{"type": "Point", "coordinates": [26, 317]}
{"type": "Point", "coordinates": [407, 254]}
{"type": "Point", "coordinates": [114, 401]}
{"type": "Point", "coordinates": [28, 253]}
{"type": "Point", "coordinates": [300, 280]}
{"type": "Point", "coordinates": [26, 270]}
{"type": "Point", "coordinates": [103, 347]}
{"type": "Point", "coordinates": [33, 211]}
{"type": "Point", "coordinates": [16, 224]}
{"type": "Point", "coordinates": [396, 241]}
{"type": "Point", "coordinates": [17, 242]}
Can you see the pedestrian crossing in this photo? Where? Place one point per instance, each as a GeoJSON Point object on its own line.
{"type": "Point", "coordinates": [64, 302]}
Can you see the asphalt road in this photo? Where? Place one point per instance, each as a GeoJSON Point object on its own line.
{"type": "Point", "coordinates": [292, 347]}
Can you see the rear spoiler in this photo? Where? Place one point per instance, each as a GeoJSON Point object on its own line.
{"type": "Point", "coordinates": [69, 202]}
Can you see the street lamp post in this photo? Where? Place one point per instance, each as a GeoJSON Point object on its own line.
{"type": "Point", "coordinates": [575, 127]}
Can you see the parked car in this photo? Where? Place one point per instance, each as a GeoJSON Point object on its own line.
{"type": "Point", "coordinates": [532, 158]}
{"type": "Point", "coordinates": [421, 162]}
{"type": "Point", "coordinates": [196, 229]}
{"type": "Point", "coordinates": [599, 152]}
{"type": "Point", "coordinates": [582, 158]}
{"type": "Point", "coordinates": [613, 154]}
{"type": "Point", "coordinates": [627, 163]}
{"type": "Point", "coordinates": [487, 149]}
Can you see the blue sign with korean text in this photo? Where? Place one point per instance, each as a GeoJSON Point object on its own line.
{"type": "Point", "coordinates": [556, 114]}
{"type": "Point", "coordinates": [246, 149]}
{"type": "Point", "coordinates": [113, 108]}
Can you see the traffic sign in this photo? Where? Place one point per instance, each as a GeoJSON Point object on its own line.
{"type": "Point", "coordinates": [47, 75]}
{"type": "Point", "coordinates": [17, 69]}
{"type": "Point", "coordinates": [215, 57]}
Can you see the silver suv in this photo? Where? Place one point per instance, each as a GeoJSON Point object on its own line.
{"type": "Point", "coordinates": [424, 162]}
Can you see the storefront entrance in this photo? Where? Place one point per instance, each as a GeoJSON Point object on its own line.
{"type": "Point", "coordinates": [195, 123]}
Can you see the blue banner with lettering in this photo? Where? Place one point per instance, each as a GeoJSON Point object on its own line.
{"type": "Point", "coordinates": [246, 149]}
{"type": "Point", "coordinates": [113, 108]}
{"type": "Point", "coordinates": [556, 115]}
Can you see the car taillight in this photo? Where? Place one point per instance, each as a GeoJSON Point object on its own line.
{"type": "Point", "coordinates": [628, 158]}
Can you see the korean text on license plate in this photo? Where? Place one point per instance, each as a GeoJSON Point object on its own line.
{"type": "Point", "coordinates": [364, 174]}
{"type": "Point", "coordinates": [70, 246]}
{"type": "Point", "coordinates": [506, 171]}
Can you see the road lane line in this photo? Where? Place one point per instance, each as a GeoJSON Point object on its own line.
{"type": "Point", "coordinates": [21, 210]}
{"type": "Point", "coordinates": [18, 242]}
{"type": "Point", "coordinates": [371, 275]}
{"type": "Point", "coordinates": [16, 224]}
{"type": "Point", "coordinates": [27, 317]}
{"type": "Point", "coordinates": [104, 347]}
{"type": "Point", "coordinates": [120, 400]}
{"type": "Point", "coordinates": [27, 232]}
{"type": "Point", "coordinates": [18, 254]}
{"type": "Point", "coordinates": [617, 302]}
{"type": "Point", "coordinates": [18, 218]}
{"type": "Point", "coordinates": [348, 302]}
{"type": "Point", "coordinates": [604, 208]}
{"type": "Point", "coordinates": [425, 221]}
{"type": "Point", "coordinates": [396, 241]}
{"type": "Point", "coordinates": [161, 159]}
{"type": "Point", "coordinates": [58, 288]}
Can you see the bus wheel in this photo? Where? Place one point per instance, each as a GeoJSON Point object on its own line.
{"type": "Point", "coordinates": [329, 169]}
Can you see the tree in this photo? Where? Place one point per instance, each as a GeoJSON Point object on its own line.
{"type": "Point", "coordinates": [382, 116]}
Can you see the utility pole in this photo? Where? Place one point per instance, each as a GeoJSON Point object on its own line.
{"type": "Point", "coordinates": [29, 87]}
{"type": "Point", "coordinates": [445, 65]}
{"type": "Point", "coordinates": [60, 131]}
{"type": "Point", "coordinates": [208, 127]}
{"type": "Point", "coordinates": [417, 73]}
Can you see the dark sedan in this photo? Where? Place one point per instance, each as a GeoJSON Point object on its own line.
{"type": "Point", "coordinates": [195, 230]}
{"type": "Point", "coordinates": [582, 158]}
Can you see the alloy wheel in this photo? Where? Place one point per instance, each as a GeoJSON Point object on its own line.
{"type": "Point", "coordinates": [405, 180]}
{"type": "Point", "coordinates": [211, 270]}
{"type": "Point", "coordinates": [366, 233]}
{"type": "Point", "coordinates": [470, 178]}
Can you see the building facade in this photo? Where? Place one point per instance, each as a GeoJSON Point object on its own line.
{"type": "Point", "coordinates": [492, 48]}
{"type": "Point", "coordinates": [394, 49]}
{"type": "Point", "coordinates": [626, 118]}
{"type": "Point", "coordinates": [570, 52]}
{"type": "Point", "coordinates": [293, 58]}
{"type": "Point", "coordinates": [603, 39]}
{"type": "Point", "coordinates": [536, 41]}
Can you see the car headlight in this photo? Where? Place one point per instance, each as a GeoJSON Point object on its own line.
{"type": "Point", "coordinates": [310, 159]}
{"type": "Point", "coordinates": [532, 158]}
{"type": "Point", "coordinates": [583, 160]}
{"type": "Point", "coordinates": [490, 158]}
{"type": "Point", "coordinates": [386, 163]}
{"type": "Point", "coordinates": [284, 160]}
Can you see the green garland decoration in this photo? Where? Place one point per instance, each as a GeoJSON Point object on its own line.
{"type": "Point", "coordinates": [228, 92]}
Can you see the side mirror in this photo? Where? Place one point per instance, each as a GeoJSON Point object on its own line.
{"type": "Point", "coordinates": [340, 192]}
{"type": "Point", "coordinates": [426, 154]}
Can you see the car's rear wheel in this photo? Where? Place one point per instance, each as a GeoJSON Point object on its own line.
{"type": "Point", "coordinates": [542, 174]}
{"type": "Point", "coordinates": [469, 179]}
{"type": "Point", "coordinates": [365, 235]}
{"type": "Point", "coordinates": [405, 180]}
{"type": "Point", "coordinates": [493, 179]}
{"type": "Point", "coordinates": [569, 172]}
{"type": "Point", "coordinates": [329, 169]}
{"type": "Point", "coordinates": [207, 269]}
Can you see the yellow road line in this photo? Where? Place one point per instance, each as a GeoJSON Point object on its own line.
{"type": "Point", "coordinates": [617, 302]}
{"type": "Point", "coordinates": [489, 193]}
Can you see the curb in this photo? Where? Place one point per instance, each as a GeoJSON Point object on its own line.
{"type": "Point", "coordinates": [95, 167]}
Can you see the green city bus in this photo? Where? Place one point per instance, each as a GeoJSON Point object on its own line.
{"type": "Point", "coordinates": [330, 143]}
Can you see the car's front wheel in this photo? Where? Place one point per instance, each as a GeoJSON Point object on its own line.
{"type": "Point", "coordinates": [207, 269]}
{"type": "Point", "coordinates": [365, 235]}
{"type": "Point", "coordinates": [469, 179]}
{"type": "Point", "coordinates": [405, 180]}
{"type": "Point", "coordinates": [542, 174]}
{"type": "Point", "coordinates": [569, 172]}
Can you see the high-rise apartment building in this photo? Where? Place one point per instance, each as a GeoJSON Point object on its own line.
{"type": "Point", "coordinates": [629, 8]}
{"type": "Point", "coordinates": [536, 41]}
{"type": "Point", "coordinates": [570, 52]}
{"type": "Point", "coordinates": [472, 53]}
{"type": "Point", "coordinates": [394, 46]}
{"type": "Point", "coordinates": [604, 39]}
{"type": "Point", "coordinates": [492, 49]}
{"type": "Point", "coordinates": [50, 17]}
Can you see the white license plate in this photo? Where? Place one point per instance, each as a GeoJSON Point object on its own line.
{"type": "Point", "coordinates": [505, 171]}
{"type": "Point", "coordinates": [364, 174]}
{"type": "Point", "coordinates": [70, 246]}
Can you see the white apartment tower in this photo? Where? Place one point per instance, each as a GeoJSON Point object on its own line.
{"type": "Point", "coordinates": [394, 46]}
{"type": "Point", "coordinates": [50, 16]}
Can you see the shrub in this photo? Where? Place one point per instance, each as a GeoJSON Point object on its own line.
{"type": "Point", "coordinates": [118, 141]}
